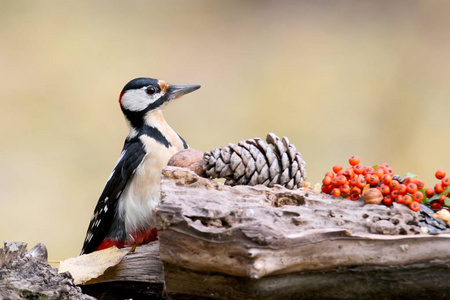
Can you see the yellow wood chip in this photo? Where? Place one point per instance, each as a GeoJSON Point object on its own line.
{"type": "Point", "coordinates": [443, 214]}
{"type": "Point", "coordinates": [88, 266]}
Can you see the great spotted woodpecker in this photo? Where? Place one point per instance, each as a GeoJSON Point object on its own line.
{"type": "Point", "coordinates": [125, 211]}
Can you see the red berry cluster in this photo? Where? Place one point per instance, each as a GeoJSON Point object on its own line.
{"type": "Point", "coordinates": [439, 196]}
{"type": "Point", "coordinates": [351, 182]}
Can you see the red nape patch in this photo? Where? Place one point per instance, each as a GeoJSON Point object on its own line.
{"type": "Point", "coordinates": [120, 97]}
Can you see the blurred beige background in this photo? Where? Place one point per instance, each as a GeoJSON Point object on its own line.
{"type": "Point", "coordinates": [338, 78]}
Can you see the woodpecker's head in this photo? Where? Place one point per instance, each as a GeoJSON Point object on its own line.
{"type": "Point", "coordinates": [141, 96]}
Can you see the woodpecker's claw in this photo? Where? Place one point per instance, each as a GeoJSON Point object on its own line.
{"type": "Point", "coordinates": [133, 247]}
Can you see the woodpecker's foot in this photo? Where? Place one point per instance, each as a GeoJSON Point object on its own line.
{"type": "Point", "coordinates": [133, 246]}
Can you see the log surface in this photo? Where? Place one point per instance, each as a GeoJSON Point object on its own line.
{"type": "Point", "coordinates": [139, 275]}
{"type": "Point", "coordinates": [253, 240]}
{"type": "Point", "coordinates": [243, 242]}
{"type": "Point", "coordinates": [27, 275]}
{"type": "Point", "coordinates": [142, 265]}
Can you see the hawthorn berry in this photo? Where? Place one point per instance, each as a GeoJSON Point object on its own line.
{"type": "Point", "coordinates": [345, 188]}
{"type": "Point", "coordinates": [401, 189]}
{"type": "Point", "coordinates": [393, 185]}
{"type": "Point", "coordinates": [335, 192]}
{"type": "Point", "coordinates": [337, 168]}
{"type": "Point", "coordinates": [382, 168]}
{"type": "Point", "coordinates": [442, 199]}
{"type": "Point", "coordinates": [378, 172]}
{"type": "Point", "coordinates": [349, 173]}
{"type": "Point", "coordinates": [411, 188]}
{"type": "Point", "coordinates": [358, 169]}
{"type": "Point", "coordinates": [341, 180]}
{"type": "Point", "coordinates": [386, 178]}
{"type": "Point", "coordinates": [327, 188]}
{"type": "Point", "coordinates": [418, 196]}
{"type": "Point", "coordinates": [355, 192]}
{"type": "Point", "coordinates": [330, 174]}
{"type": "Point", "coordinates": [420, 183]}
{"type": "Point", "coordinates": [436, 205]}
{"type": "Point", "coordinates": [372, 179]}
{"type": "Point", "coordinates": [387, 200]}
{"type": "Point", "coordinates": [414, 206]}
{"type": "Point", "coordinates": [367, 170]}
{"type": "Point", "coordinates": [327, 180]}
{"type": "Point", "coordinates": [438, 188]}
{"type": "Point", "coordinates": [445, 181]}
{"type": "Point", "coordinates": [429, 192]}
{"type": "Point", "coordinates": [389, 171]}
{"type": "Point", "coordinates": [408, 180]}
{"type": "Point", "coordinates": [440, 174]}
{"type": "Point", "coordinates": [360, 182]}
{"type": "Point", "coordinates": [407, 199]}
{"type": "Point", "coordinates": [354, 160]}
{"type": "Point", "coordinates": [400, 199]}
{"type": "Point", "coordinates": [385, 189]}
{"type": "Point", "coordinates": [334, 182]}
{"type": "Point", "coordinates": [394, 194]}
{"type": "Point", "coordinates": [341, 172]}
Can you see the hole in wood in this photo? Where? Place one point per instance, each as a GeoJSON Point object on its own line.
{"type": "Point", "coordinates": [280, 200]}
{"type": "Point", "coordinates": [209, 222]}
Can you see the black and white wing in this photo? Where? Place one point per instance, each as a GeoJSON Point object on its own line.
{"type": "Point", "coordinates": [132, 155]}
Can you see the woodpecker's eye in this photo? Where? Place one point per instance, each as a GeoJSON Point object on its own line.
{"type": "Point", "coordinates": [151, 90]}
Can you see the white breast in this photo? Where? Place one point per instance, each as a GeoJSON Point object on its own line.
{"type": "Point", "coordinates": [142, 194]}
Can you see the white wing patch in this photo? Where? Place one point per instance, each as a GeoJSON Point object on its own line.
{"type": "Point", "coordinates": [110, 176]}
{"type": "Point", "coordinates": [97, 215]}
{"type": "Point", "coordinates": [89, 237]}
{"type": "Point", "coordinates": [114, 170]}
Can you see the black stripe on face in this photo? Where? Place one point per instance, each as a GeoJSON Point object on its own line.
{"type": "Point", "coordinates": [136, 118]}
{"type": "Point", "coordinates": [155, 134]}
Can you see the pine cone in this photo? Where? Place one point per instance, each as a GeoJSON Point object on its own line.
{"type": "Point", "coordinates": [255, 161]}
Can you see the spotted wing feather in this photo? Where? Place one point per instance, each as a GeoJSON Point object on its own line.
{"type": "Point", "coordinates": [132, 155]}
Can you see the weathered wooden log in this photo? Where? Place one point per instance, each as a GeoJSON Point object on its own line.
{"type": "Point", "coordinates": [242, 242]}
{"type": "Point", "coordinates": [252, 242]}
{"type": "Point", "coordinates": [27, 275]}
{"type": "Point", "coordinates": [142, 265]}
{"type": "Point", "coordinates": [138, 276]}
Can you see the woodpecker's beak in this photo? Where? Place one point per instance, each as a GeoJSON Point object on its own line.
{"type": "Point", "coordinates": [175, 91]}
